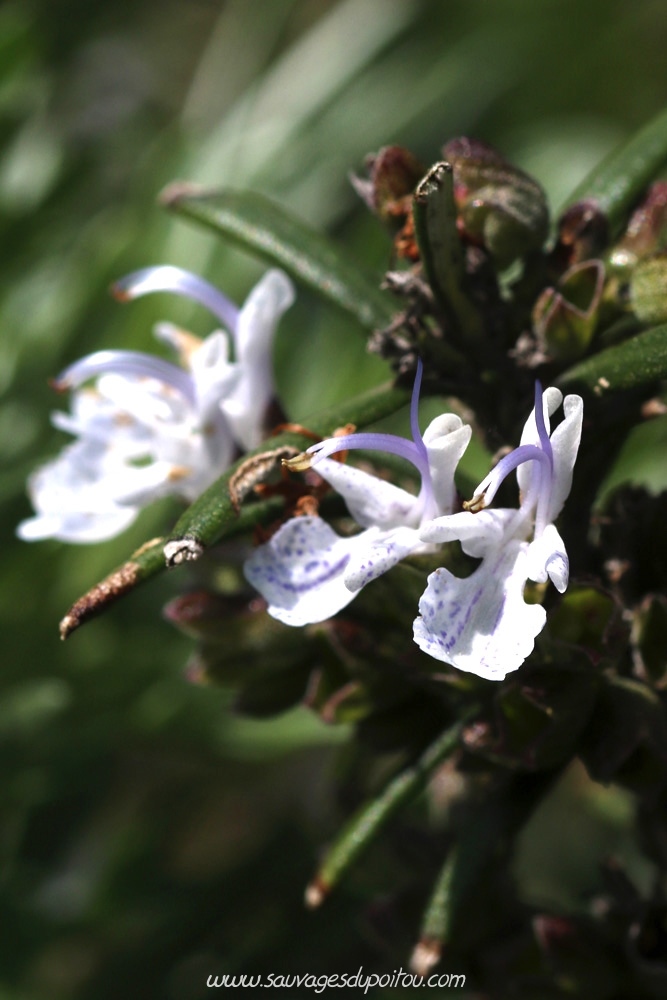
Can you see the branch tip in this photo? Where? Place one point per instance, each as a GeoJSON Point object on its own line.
{"type": "Point", "coordinates": [426, 955]}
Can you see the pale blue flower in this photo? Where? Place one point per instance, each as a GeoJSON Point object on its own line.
{"type": "Point", "coordinates": [307, 572]}
{"type": "Point", "coordinates": [149, 428]}
{"type": "Point", "coordinates": [482, 624]}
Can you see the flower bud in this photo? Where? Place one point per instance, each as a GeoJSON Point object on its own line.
{"type": "Point", "coordinates": [647, 230]}
{"type": "Point", "coordinates": [648, 288]}
{"type": "Point", "coordinates": [583, 232]}
{"type": "Point", "coordinates": [203, 614]}
{"type": "Point", "coordinates": [273, 691]}
{"type": "Point", "coordinates": [500, 207]}
{"type": "Point", "coordinates": [536, 722]}
{"type": "Point", "coordinates": [564, 318]}
{"type": "Point", "coordinates": [393, 175]}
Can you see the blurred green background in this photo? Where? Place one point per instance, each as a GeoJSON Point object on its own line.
{"type": "Point", "coordinates": [149, 836]}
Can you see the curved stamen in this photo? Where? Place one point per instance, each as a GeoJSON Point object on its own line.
{"type": "Point", "coordinates": [174, 279]}
{"type": "Point", "coordinates": [391, 443]}
{"type": "Point", "coordinates": [545, 442]}
{"type": "Point", "coordinates": [524, 453]}
{"type": "Point", "coordinates": [414, 451]}
{"type": "Point", "coordinates": [414, 409]}
{"type": "Point", "coordinates": [133, 363]}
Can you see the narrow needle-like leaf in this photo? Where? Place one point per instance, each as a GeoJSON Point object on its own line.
{"type": "Point", "coordinates": [269, 231]}
{"type": "Point", "coordinates": [632, 363]}
{"type": "Point", "coordinates": [362, 829]}
{"type": "Point", "coordinates": [618, 182]}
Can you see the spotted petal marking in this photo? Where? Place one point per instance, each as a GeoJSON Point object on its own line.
{"type": "Point", "coordinates": [481, 624]}
{"type": "Point", "coordinates": [300, 571]}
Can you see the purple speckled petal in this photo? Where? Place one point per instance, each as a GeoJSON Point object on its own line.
{"type": "Point", "coordinates": [481, 624]}
{"type": "Point", "coordinates": [300, 571]}
{"type": "Point", "coordinates": [381, 551]}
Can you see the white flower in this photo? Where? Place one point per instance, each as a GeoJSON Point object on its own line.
{"type": "Point", "coordinates": [150, 428]}
{"type": "Point", "coordinates": [307, 572]}
{"type": "Point", "coordinates": [482, 624]}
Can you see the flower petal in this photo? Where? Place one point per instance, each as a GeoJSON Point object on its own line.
{"type": "Point", "coordinates": [370, 500]}
{"type": "Point", "coordinates": [72, 497]}
{"type": "Point", "coordinates": [76, 527]}
{"type": "Point", "coordinates": [446, 438]}
{"type": "Point", "coordinates": [565, 444]}
{"type": "Point", "coordinates": [146, 402]}
{"type": "Point", "coordinates": [481, 624]}
{"type": "Point", "coordinates": [380, 552]}
{"type": "Point", "coordinates": [551, 400]}
{"type": "Point", "coordinates": [300, 571]}
{"type": "Point", "coordinates": [246, 405]}
{"type": "Point", "coordinates": [137, 486]}
{"type": "Point", "coordinates": [547, 558]}
{"type": "Point", "coordinates": [215, 378]}
{"type": "Point", "coordinates": [133, 365]}
{"type": "Point", "coordinates": [478, 533]}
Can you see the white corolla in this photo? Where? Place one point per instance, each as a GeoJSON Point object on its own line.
{"type": "Point", "coordinates": [148, 428]}
{"type": "Point", "coordinates": [307, 572]}
{"type": "Point", "coordinates": [482, 624]}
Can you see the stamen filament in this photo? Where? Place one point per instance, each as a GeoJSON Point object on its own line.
{"type": "Point", "coordinates": [545, 442]}
{"type": "Point", "coordinates": [414, 410]}
{"type": "Point", "coordinates": [133, 363]}
{"type": "Point", "coordinates": [174, 279]}
{"type": "Point", "coordinates": [391, 443]}
{"type": "Point", "coordinates": [524, 453]}
{"type": "Point", "coordinates": [413, 451]}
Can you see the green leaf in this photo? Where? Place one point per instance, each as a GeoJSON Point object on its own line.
{"type": "Point", "coordinates": [617, 182]}
{"type": "Point", "coordinates": [641, 461]}
{"type": "Point", "coordinates": [213, 515]}
{"type": "Point", "coordinates": [371, 818]}
{"type": "Point", "coordinates": [634, 362]}
{"type": "Point", "coordinates": [271, 232]}
{"type": "Point", "coordinates": [441, 249]}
